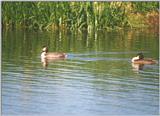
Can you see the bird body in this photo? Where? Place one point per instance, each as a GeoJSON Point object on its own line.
{"type": "Point", "coordinates": [139, 59]}
{"type": "Point", "coordinates": [52, 55]}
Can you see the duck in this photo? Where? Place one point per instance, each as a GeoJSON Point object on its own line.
{"type": "Point", "coordinates": [52, 55]}
{"type": "Point", "coordinates": [48, 57]}
{"type": "Point", "coordinates": [139, 59]}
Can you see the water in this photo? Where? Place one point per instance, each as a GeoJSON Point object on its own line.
{"type": "Point", "coordinates": [97, 78]}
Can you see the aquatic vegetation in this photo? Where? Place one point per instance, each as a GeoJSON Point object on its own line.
{"type": "Point", "coordinates": [78, 15]}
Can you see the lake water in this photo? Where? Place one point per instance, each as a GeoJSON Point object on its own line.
{"type": "Point", "coordinates": [97, 78]}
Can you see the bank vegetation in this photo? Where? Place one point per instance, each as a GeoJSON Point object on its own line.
{"type": "Point", "coordinates": [79, 15]}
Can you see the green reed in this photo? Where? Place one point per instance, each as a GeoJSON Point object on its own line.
{"type": "Point", "coordinates": [73, 15]}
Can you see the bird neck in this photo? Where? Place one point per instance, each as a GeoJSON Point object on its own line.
{"type": "Point", "coordinates": [135, 58]}
{"type": "Point", "coordinates": [43, 54]}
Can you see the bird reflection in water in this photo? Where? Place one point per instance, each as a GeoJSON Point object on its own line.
{"type": "Point", "coordinates": [137, 67]}
{"type": "Point", "coordinates": [46, 61]}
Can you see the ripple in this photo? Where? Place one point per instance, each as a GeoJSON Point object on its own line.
{"type": "Point", "coordinates": [77, 80]}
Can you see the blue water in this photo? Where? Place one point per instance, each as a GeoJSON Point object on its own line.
{"type": "Point", "coordinates": [91, 81]}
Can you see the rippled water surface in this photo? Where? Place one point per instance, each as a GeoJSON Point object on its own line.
{"type": "Point", "coordinates": [97, 78]}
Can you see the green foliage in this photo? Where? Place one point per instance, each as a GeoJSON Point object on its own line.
{"type": "Point", "coordinates": [144, 7]}
{"type": "Point", "coordinates": [71, 15]}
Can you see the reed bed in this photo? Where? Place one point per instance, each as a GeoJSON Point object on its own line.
{"type": "Point", "coordinates": [76, 15]}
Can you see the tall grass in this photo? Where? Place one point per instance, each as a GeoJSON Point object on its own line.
{"type": "Point", "coordinates": [73, 15]}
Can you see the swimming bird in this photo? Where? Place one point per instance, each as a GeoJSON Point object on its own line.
{"type": "Point", "coordinates": [139, 59]}
{"type": "Point", "coordinates": [47, 57]}
{"type": "Point", "coordinates": [52, 55]}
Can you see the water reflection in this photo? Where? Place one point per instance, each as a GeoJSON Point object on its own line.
{"type": "Point", "coordinates": [46, 62]}
{"type": "Point", "coordinates": [137, 67]}
{"type": "Point", "coordinates": [97, 77]}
